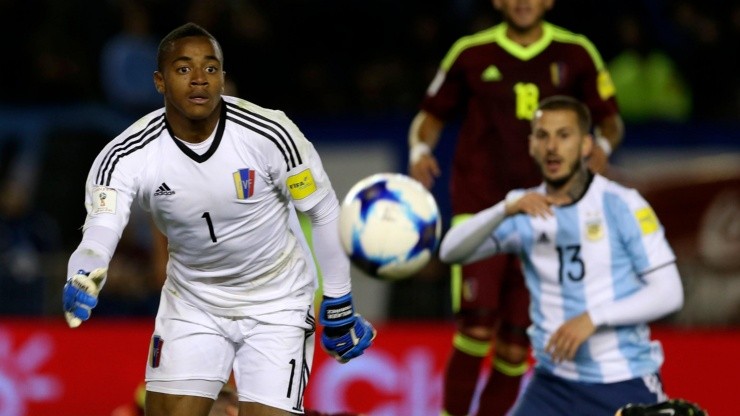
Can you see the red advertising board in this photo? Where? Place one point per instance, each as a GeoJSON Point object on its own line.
{"type": "Point", "coordinates": [47, 368]}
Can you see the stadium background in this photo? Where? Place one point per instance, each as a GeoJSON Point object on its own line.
{"type": "Point", "coordinates": [351, 75]}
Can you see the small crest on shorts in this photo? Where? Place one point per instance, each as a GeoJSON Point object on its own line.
{"type": "Point", "coordinates": [155, 351]}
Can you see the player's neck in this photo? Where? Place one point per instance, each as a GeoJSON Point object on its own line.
{"type": "Point", "coordinates": [524, 36]}
{"type": "Point", "coordinates": [193, 131]}
{"type": "Point", "coordinates": [573, 189]}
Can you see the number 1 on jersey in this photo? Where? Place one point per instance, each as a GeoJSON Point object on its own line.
{"type": "Point", "coordinates": [207, 216]}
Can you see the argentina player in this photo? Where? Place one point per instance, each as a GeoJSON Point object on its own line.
{"type": "Point", "coordinates": [597, 266]}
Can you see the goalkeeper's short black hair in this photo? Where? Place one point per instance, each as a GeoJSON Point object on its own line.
{"type": "Point", "coordinates": [184, 31]}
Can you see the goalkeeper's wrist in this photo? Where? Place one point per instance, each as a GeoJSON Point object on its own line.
{"type": "Point", "coordinates": [418, 150]}
{"type": "Point", "coordinates": [337, 315]}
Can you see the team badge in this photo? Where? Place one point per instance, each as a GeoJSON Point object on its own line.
{"type": "Point", "coordinates": [647, 220]}
{"type": "Point", "coordinates": [594, 229]}
{"type": "Point", "coordinates": [103, 200]}
{"type": "Point", "coordinates": [557, 73]}
{"type": "Point", "coordinates": [301, 184]}
{"type": "Point", "coordinates": [244, 183]}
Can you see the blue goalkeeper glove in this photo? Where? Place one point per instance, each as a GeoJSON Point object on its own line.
{"type": "Point", "coordinates": [80, 295]}
{"type": "Point", "coordinates": [346, 334]}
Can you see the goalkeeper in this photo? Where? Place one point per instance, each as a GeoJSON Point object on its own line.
{"type": "Point", "coordinates": [221, 178]}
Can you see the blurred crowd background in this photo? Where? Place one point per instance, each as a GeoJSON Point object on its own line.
{"type": "Point", "coordinates": [78, 72]}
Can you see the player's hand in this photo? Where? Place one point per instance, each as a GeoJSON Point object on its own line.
{"type": "Point", "coordinates": [425, 169]}
{"type": "Point", "coordinates": [80, 295]}
{"type": "Point", "coordinates": [565, 341]}
{"type": "Point", "coordinates": [534, 204]}
{"type": "Point", "coordinates": [346, 335]}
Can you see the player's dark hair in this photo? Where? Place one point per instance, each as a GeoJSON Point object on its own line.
{"type": "Point", "coordinates": [184, 31]}
{"type": "Point", "coordinates": [564, 102]}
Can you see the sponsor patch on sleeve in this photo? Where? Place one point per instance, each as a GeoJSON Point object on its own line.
{"type": "Point", "coordinates": [103, 200]}
{"type": "Point", "coordinates": [301, 184]}
{"type": "Point", "coordinates": [647, 220]}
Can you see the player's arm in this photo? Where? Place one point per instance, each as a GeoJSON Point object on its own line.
{"type": "Point", "coordinates": [662, 294]}
{"type": "Point", "coordinates": [608, 135]}
{"type": "Point", "coordinates": [610, 128]}
{"type": "Point", "coordinates": [424, 135]}
{"type": "Point", "coordinates": [346, 334]}
{"type": "Point", "coordinates": [108, 206]}
{"type": "Point", "coordinates": [472, 240]}
{"type": "Point", "coordinates": [87, 270]}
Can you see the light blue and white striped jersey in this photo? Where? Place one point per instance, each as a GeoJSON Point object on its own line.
{"type": "Point", "coordinates": [587, 254]}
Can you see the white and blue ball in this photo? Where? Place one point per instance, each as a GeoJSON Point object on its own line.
{"type": "Point", "coordinates": [389, 225]}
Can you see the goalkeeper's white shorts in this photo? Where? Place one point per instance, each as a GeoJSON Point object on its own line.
{"type": "Point", "coordinates": [192, 353]}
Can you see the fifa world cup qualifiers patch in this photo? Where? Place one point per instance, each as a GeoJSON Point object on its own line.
{"type": "Point", "coordinates": [103, 200]}
{"type": "Point", "coordinates": [647, 220]}
{"type": "Point", "coordinates": [301, 184]}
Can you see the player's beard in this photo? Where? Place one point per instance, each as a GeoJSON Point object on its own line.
{"type": "Point", "coordinates": [558, 183]}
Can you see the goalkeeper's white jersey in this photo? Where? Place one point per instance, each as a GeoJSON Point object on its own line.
{"type": "Point", "coordinates": [590, 253]}
{"type": "Point", "coordinates": [226, 212]}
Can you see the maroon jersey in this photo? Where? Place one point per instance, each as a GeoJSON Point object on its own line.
{"type": "Point", "coordinates": [498, 84]}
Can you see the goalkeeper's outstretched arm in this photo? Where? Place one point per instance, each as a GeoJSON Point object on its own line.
{"type": "Point", "coordinates": [86, 273]}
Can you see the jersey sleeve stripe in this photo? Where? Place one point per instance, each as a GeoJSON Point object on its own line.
{"type": "Point", "coordinates": [486, 36]}
{"type": "Point", "coordinates": [114, 153]}
{"type": "Point", "coordinates": [265, 135]}
{"type": "Point", "coordinates": [265, 123]}
{"type": "Point", "coordinates": [566, 36]}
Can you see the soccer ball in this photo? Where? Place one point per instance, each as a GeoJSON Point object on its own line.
{"type": "Point", "coordinates": [389, 225]}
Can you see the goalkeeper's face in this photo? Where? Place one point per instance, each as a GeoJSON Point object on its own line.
{"type": "Point", "coordinates": [558, 145]}
{"type": "Point", "coordinates": [192, 78]}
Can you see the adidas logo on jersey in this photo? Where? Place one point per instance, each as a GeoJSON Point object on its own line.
{"type": "Point", "coordinates": [543, 239]}
{"type": "Point", "coordinates": [163, 190]}
{"type": "Point", "coordinates": [491, 73]}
